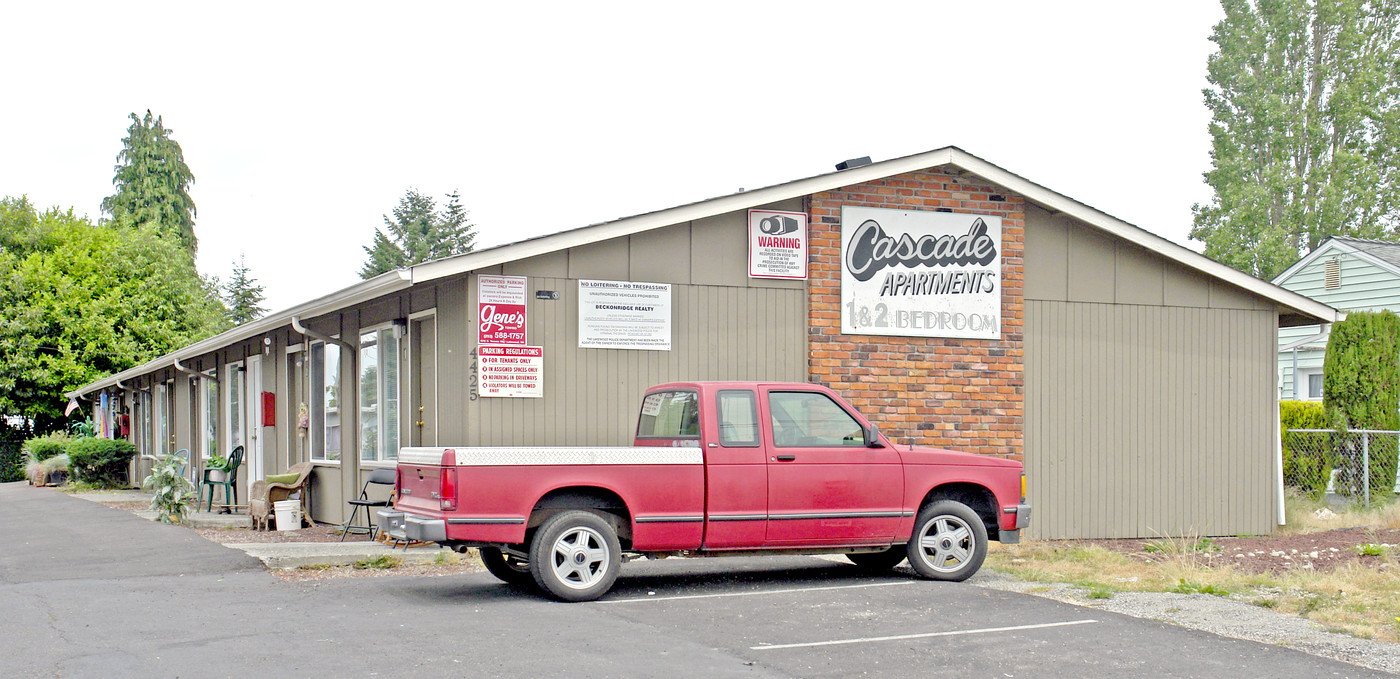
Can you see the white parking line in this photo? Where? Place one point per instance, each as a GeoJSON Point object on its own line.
{"type": "Point", "coordinates": [769, 591]}
{"type": "Point", "coordinates": [901, 637]}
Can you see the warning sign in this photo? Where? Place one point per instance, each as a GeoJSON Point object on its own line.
{"type": "Point", "coordinates": [511, 372]}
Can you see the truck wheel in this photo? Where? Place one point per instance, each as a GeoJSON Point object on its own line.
{"type": "Point", "coordinates": [575, 556]}
{"type": "Point", "coordinates": [949, 541]}
{"type": "Point", "coordinates": [878, 561]}
{"type": "Point", "coordinates": [509, 569]}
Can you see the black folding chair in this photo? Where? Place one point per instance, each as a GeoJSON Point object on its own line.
{"type": "Point", "coordinates": [378, 477]}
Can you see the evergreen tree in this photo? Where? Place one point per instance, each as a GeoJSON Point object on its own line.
{"type": "Point", "coordinates": [417, 233]}
{"type": "Point", "coordinates": [1305, 125]}
{"type": "Point", "coordinates": [243, 295]}
{"type": "Point", "coordinates": [153, 182]}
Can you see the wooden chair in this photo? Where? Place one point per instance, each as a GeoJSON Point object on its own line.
{"type": "Point", "coordinates": [263, 494]}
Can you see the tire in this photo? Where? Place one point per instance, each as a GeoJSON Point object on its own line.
{"type": "Point", "coordinates": [575, 556]}
{"type": "Point", "coordinates": [509, 569]}
{"type": "Point", "coordinates": [949, 542]}
{"type": "Point", "coordinates": [878, 561]}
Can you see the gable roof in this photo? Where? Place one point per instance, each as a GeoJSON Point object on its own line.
{"type": "Point", "coordinates": [1303, 309]}
{"type": "Point", "coordinates": [1382, 253]}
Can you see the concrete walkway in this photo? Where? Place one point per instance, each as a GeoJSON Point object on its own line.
{"type": "Point", "coordinates": [277, 554]}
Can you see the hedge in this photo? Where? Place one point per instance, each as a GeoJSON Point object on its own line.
{"type": "Point", "coordinates": [102, 462]}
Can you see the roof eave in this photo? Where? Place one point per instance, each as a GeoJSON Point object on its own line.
{"type": "Point", "coordinates": [382, 284]}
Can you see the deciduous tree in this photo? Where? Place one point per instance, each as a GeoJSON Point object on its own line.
{"type": "Point", "coordinates": [79, 301]}
{"type": "Point", "coordinates": [1305, 125]}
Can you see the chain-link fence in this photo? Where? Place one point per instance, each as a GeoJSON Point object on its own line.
{"type": "Point", "coordinates": [1360, 466]}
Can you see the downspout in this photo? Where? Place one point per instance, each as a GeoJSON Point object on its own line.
{"type": "Point", "coordinates": [297, 326]}
{"type": "Point", "coordinates": [1295, 373]}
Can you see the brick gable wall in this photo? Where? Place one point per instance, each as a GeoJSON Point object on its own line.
{"type": "Point", "coordinates": [956, 393]}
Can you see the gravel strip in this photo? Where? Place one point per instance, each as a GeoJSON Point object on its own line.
{"type": "Point", "coordinates": [1217, 615]}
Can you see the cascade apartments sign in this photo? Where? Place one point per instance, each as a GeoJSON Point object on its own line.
{"type": "Point", "coordinates": [920, 274]}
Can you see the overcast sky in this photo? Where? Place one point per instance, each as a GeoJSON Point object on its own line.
{"type": "Point", "coordinates": [304, 123]}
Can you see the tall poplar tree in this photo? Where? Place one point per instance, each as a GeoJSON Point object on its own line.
{"type": "Point", "coordinates": [1305, 126]}
{"type": "Point", "coordinates": [153, 182]}
{"type": "Point", "coordinates": [417, 233]}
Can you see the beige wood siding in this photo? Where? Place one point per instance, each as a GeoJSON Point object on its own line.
{"type": "Point", "coordinates": [591, 396]}
{"type": "Point", "coordinates": [1147, 421]}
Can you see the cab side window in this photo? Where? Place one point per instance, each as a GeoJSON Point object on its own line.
{"type": "Point", "coordinates": [810, 419]}
{"type": "Point", "coordinates": [738, 418]}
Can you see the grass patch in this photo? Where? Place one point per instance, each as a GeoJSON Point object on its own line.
{"type": "Point", "coordinates": [1189, 587]}
{"type": "Point", "coordinates": [1358, 598]}
{"type": "Point", "coordinates": [383, 562]}
{"type": "Point", "coordinates": [316, 567]}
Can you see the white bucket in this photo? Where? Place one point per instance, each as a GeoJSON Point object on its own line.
{"type": "Point", "coordinates": [288, 513]}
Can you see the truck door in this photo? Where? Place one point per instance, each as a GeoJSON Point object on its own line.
{"type": "Point", "coordinates": [736, 473]}
{"type": "Point", "coordinates": [824, 485]}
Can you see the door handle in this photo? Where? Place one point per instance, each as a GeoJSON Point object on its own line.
{"type": "Point", "coordinates": [785, 458]}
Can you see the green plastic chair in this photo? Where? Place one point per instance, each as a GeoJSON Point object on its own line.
{"type": "Point", "coordinates": [229, 483]}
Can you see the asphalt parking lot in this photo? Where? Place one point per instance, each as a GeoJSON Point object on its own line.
{"type": "Point", "coordinates": [90, 591]}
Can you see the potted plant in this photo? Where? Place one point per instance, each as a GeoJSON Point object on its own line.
{"type": "Point", "coordinates": [217, 468]}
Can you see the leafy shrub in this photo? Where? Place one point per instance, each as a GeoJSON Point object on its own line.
{"type": "Point", "coordinates": [45, 447]}
{"type": "Point", "coordinates": [100, 461]}
{"type": "Point", "coordinates": [1302, 415]}
{"type": "Point", "coordinates": [170, 491]}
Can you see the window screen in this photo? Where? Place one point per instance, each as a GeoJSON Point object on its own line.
{"type": "Point", "coordinates": [804, 418]}
{"type": "Point", "coordinates": [738, 418]}
{"type": "Point", "coordinates": [670, 415]}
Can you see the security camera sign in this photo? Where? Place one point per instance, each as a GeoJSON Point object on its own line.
{"type": "Point", "coordinates": [920, 274]}
{"type": "Point", "coordinates": [777, 244]}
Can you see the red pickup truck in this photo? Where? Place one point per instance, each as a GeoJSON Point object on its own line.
{"type": "Point", "coordinates": [717, 468]}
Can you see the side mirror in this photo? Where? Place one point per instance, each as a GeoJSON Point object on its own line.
{"type": "Point", "coordinates": [872, 437]}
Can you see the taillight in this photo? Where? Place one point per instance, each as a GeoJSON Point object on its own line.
{"type": "Point", "coordinates": [398, 483]}
{"type": "Point", "coordinates": [1023, 488]}
{"type": "Point", "coordinates": [447, 489]}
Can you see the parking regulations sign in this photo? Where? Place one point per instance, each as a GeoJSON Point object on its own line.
{"type": "Point", "coordinates": [912, 273]}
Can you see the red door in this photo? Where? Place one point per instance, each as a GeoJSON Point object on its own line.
{"type": "Point", "coordinates": [736, 483]}
{"type": "Point", "coordinates": [824, 485]}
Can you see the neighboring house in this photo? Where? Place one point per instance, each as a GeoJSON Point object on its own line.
{"type": "Point", "coordinates": [958, 304]}
{"type": "Point", "coordinates": [1348, 274]}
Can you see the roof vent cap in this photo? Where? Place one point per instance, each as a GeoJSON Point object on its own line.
{"type": "Point", "coordinates": [853, 163]}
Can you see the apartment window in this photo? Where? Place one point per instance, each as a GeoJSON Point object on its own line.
{"type": "Point", "coordinates": [209, 416]}
{"type": "Point", "coordinates": [161, 415]}
{"type": "Point", "coordinates": [233, 410]}
{"type": "Point", "coordinates": [325, 402]}
{"type": "Point", "coordinates": [1313, 383]}
{"type": "Point", "coordinates": [379, 395]}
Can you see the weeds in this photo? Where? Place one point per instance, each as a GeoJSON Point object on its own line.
{"type": "Point", "coordinates": [1184, 586]}
{"type": "Point", "coordinates": [1371, 549]}
{"type": "Point", "coordinates": [383, 562]}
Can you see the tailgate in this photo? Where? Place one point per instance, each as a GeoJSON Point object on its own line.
{"type": "Point", "coordinates": [420, 480]}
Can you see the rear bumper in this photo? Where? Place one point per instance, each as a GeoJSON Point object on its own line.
{"type": "Point", "coordinates": [424, 529]}
{"type": "Point", "coordinates": [1012, 535]}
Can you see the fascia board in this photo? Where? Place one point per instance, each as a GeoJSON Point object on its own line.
{"type": "Point", "coordinates": [1365, 256]}
{"type": "Point", "coordinates": [1327, 246]}
{"type": "Point", "coordinates": [383, 284]}
{"type": "Point", "coordinates": [1141, 237]}
{"type": "Point", "coordinates": [1301, 343]}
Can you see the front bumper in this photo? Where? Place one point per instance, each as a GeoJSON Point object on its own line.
{"type": "Point", "coordinates": [424, 529]}
{"type": "Point", "coordinates": [1011, 536]}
